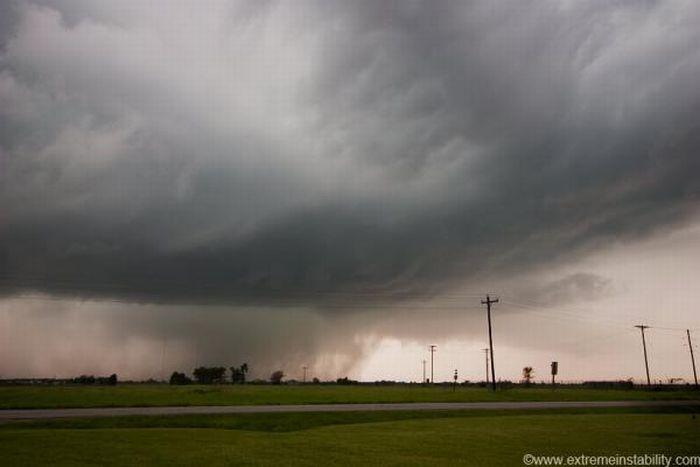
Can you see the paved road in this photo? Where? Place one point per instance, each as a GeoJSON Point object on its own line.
{"type": "Point", "coordinates": [30, 414]}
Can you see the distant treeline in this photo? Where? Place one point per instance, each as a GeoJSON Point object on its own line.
{"type": "Point", "coordinates": [237, 375]}
{"type": "Point", "coordinates": [110, 380]}
{"type": "Point", "coordinates": [213, 375]}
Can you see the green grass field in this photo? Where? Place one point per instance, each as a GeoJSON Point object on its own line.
{"type": "Point", "coordinates": [476, 438]}
{"type": "Point", "coordinates": [404, 438]}
{"type": "Point", "coordinates": [161, 395]}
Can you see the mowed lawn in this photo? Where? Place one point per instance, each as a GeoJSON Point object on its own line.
{"type": "Point", "coordinates": [163, 395]}
{"type": "Point", "coordinates": [346, 439]}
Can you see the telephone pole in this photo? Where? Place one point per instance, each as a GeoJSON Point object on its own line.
{"type": "Point", "coordinates": [432, 348]}
{"type": "Point", "coordinates": [488, 303]}
{"type": "Point", "coordinates": [486, 354]}
{"type": "Point", "coordinates": [692, 358]}
{"type": "Point", "coordinates": [423, 372]}
{"type": "Point", "coordinates": [642, 327]}
{"type": "Point", "coordinates": [162, 358]}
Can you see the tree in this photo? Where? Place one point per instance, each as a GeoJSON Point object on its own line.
{"type": "Point", "coordinates": [276, 377]}
{"type": "Point", "coordinates": [238, 374]}
{"type": "Point", "coordinates": [179, 378]}
{"type": "Point", "coordinates": [528, 373]}
{"type": "Point", "coordinates": [345, 380]}
{"type": "Point", "coordinates": [84, 379]}
{"type": "Point", "coordinates": [210, 375]}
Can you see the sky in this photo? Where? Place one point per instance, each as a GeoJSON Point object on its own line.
{"type": "Point", "coordinates": [338, 184]}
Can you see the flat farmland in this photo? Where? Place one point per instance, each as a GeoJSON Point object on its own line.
{"type": "Point", "coordinates": [402, 438]}
{"type": "Point", "coordinates": [148, 395]}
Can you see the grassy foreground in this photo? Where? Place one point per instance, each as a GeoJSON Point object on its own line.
{"type": "Point", "coordinates": [163, 395]}
{"type": "Point", "coordinates": [406, 438]}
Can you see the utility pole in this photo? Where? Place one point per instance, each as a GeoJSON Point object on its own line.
{"type": "Point", "coordinates": [486, 354]}
{"type": "Point", "coordinates": [423, 372]}
{"type": "Point", "coordinates": [642, 327]}
{"type": "Point", "coordinates": [488, 303]}
{"type": "Point", "coordinates": [304, 380]}
{"type": "Point", "coordinates": [162, 358]}
{"type": "Point", "coordinates": [692, 358]}
{"type": "Point", "coordinates": [432, 348]}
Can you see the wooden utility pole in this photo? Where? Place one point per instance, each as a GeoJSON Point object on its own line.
{"type": "Point", "coordinates": [642, 327]}
{"type": "Point", "coordinates": [488, 303]}
{"type": "Point", "coordinates": [486, 354]}
{"type": "Point", "coordinates": [432, 348]}
{"type": "Point", "coordinates": [692, 358]}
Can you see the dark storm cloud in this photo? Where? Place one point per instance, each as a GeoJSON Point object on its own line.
{"type": "Point", "coordinates": [8, 19]}
{"type": "Point", "coordinates": [295, 150]}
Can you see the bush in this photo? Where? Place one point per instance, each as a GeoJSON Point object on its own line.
{"type": "Point", "coordinates": [628, 384]}
{"type": "Point", "coordinates": [345, 380]}
{"type": "Point", "coordinates": [276, 377]}
{"type": "Point", "coordinates": [84, 379]}
{"type": "Point", "coordinates": [238, 374]}
{"type": "Point", "coordinates": [91, 379]}
{"type": "Point", "coordinates": [210, 375]}
{"type": "Point", "coordinates": [179, 379]}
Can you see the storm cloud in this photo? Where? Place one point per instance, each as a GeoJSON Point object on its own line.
{"type": "Point", "coordinates": [162, 153]}
{"type": "Point", "coordinates": [315, 153]}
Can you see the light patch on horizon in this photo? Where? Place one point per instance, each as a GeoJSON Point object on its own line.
{"type": "Point", "coordinates": [592, 339]}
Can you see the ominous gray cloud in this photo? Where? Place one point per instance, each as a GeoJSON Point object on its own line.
{"type": "Point", "coordinates": [304, 146]}
{"type": "Point", "coordinates": [291, 152]}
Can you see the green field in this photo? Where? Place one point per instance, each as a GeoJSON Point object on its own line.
{"type": "Point", "coordinates": [162, 395]}
{"type": "Point", "coordinates": [476, 438]}
{"type": "Point", "coordinates": [404, 438]}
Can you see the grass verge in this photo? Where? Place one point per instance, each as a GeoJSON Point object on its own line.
{"type": "Point", "coordinates": [164, 395]}
{"type": "Point", "coordinates": [356, 438]}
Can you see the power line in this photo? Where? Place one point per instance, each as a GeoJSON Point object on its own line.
{"type": "Point", "coordinates": [586, 341]}
{"type": "Point", "coordinates": [574, 312]}
{"type": "Point", "coordinates": [560, 312]}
